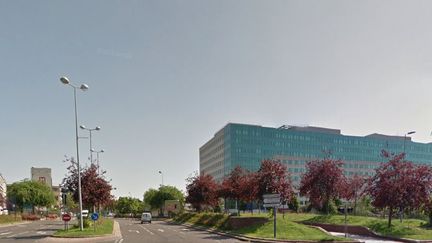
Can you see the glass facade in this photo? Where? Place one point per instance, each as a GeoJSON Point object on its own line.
{"type": "Point", "coordinates": [247, 145]}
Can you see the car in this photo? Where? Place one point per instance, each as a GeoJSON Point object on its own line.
{"type": "Point", "coordinates": [146, 217]}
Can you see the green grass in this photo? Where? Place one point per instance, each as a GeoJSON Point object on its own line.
{"type": "Point", "coordinates": [9, 219]}
{"type": "Point", "coordinates": [409, 228]}
{"type": "Point", "coordinates": [286, 227]}
{"type": "Point", "coordinates": [103, 227]}
{"type": "Point", "coordinates": [210, 220]}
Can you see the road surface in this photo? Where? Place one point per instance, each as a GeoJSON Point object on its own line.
{"type": "Point", "coordinates": [160, 231]}
{"type": "Point", "coordinates": [29, 232]}
{"type": "Point", "coordinates": [131, 230]}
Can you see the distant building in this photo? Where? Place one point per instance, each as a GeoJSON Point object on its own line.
{"type": "Point", "coordinates": [3, 188]}
{"type": "Point", "coordinates": [42, 175]}
{"type": "Point", "coordinates": [247, 145]}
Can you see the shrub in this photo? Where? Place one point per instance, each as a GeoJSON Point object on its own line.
{"type": "Point", "coordinates": [30, 217]}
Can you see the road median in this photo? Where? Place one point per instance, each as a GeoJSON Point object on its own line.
{"type": "Point", "coordinates": [76, 235]}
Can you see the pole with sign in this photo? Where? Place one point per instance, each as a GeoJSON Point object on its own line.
{"type": "Point", "coordinates": [94, 217]}
{"type": "Point", "coordinates": [272, 201]}
{"type": "Point", "coordinates": [66, 218]}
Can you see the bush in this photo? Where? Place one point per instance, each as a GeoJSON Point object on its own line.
{"type": "Point", "coordinates": [30, 217]}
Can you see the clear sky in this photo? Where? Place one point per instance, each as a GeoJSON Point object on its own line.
{"type": "Point", "coordinates": [164, 76]}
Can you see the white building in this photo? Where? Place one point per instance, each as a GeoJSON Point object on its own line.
{"type": "Point", "coordinates": [2, 194]}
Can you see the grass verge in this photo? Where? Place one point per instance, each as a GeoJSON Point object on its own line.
{"type": "Point", "coordinates": [104, 226]}
{"type": "Point", "coordinates": [286, 228]}
{"type": "Point", "coordinates": [409, 228]}
{"type": "Point", "coordinates": [9, 219]}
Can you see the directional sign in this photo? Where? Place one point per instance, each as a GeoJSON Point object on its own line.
{"type": "Point", "coordinates": [94, 216]}
{"type": "Point", "coordinates": [271, 205]}
{"type": "Point", "coordinates": [274, 195]}
{"type": "Point", "coordinates": [66, 217]}
{"type": "Point", "coordinates": [272, 200]}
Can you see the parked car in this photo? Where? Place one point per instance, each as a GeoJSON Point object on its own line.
{"type": "Point", "coordinates": [146, 217]}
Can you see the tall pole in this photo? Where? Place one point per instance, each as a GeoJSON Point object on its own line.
{"type": "Point", "coordinates": [78, 162]}
{"type": "Point", "coordinates": [83, 87]}
{"type": "Point", "coordinates": [97, 157]}
{"type": "Point", "coordinates": [160, 172]}
{"type": "Point", "coordinates": [91, 152]}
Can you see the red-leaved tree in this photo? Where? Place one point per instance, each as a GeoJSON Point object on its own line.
{"type": "Point", "coordinates": [202, 191]}
{"type": "Point", "coordinates": [354, 188]}
{"type": "Point", "coordinates": [249, 189]}
{"type": "Point", "coordinates": [273, 177]}
{"type": "Point", "coordinates": [322, 182]}
{"type": "Point", "coordinates": [399, 184]}
{"type": "Point", "coordinates": [95, 190]}
{"type": "Point", "coordinates": [232, 185]}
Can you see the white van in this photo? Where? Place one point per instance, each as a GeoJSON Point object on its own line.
{"type": "Point", "coordinates": [146, 217]}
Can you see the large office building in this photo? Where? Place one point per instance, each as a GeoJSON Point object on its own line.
{"type": "Point", "coordinates": [247, 145]}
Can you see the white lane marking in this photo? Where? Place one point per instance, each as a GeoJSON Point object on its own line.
{"type": "Point", "coordinates": [15, 235]}
{"type": "Point", "coordinates": [6, 233]}
{"type": "Point", "coordinates": [161, 230]}
{"type": "Point", "coordinates": [147, 230]}
{"type": "Point", "coordinates": [41, 232]}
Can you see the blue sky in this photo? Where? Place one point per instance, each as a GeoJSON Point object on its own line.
{"type": "Point", "coordinates": [164, 76]}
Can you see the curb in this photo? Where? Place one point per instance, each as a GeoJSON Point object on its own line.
{"type": "Point", "coordinates": [249, 238]}
{"type": "Point", "coordinates": [114, 236]}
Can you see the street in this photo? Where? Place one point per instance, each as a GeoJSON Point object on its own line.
{"type": "Point", "coordinates": [131, 230]}
{"type": "Point", "coordinates": [160, 231]}
{"type": "Point", "coordinates": [29, 232]}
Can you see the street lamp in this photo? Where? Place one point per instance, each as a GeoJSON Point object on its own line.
{"type": "Point", "coordinates": [97, 156]}
{"type": "Point", "coordinates": [83, 87]}
{"type": "Point", "coordinates": [408, 133]}
{"type": "Point", "coordinates": [98, 128]}
{"type": "Point", "coordinates": [160, 172]}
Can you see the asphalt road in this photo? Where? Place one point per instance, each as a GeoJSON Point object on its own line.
{"type": "Point", "coordinates": [131, 230]}
{"type": "Point", "coordinates": [29, 232]}
{"type": "Point", "coordinates": [160, 231]}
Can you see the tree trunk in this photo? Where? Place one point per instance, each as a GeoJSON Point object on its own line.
{"type": "Point", "coordinates": [430, 218]}
{"type": "Point", "coordinates": [390, 216]}
{"type": "Point", "coordinates": [355, 205]}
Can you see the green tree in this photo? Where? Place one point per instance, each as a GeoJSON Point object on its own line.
{"type": "Point", "coordinates": [156, 198]}
{"type": "Point", "coordinates": [70, 204]}
{"type": "Point", "coordinates": [33, 193]}
{"type": "Point", "coordinates": [129, 205]}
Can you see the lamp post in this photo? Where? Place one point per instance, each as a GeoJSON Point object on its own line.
{"type": "Point", "coordinates": [83, 87]}
{"type": "Point", "coordinates": [98, 128]}
{"type": "Point", "coordinates": [408, 133]}
{"type": "Point", "coordinates": [160, 172]}
{"type": "Point", "coordinates": [97, 156]}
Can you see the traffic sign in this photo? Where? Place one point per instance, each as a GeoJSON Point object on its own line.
{"type": "Point", "coordinates": [271, 205]}
{"type": "Point", "coordinates": [66, 217]}
{"type": "Point", "coordinates": [94, 216]}
{"type": "Point", "coordinates": [272, 200]}
{"type": "Point", "coordinates": [274, 195]}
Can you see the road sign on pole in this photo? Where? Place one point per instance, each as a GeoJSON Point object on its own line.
{"type": "Point", "coordinates": [272, 201]}
{"type": "Point", "coordinates": [66, 217]}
